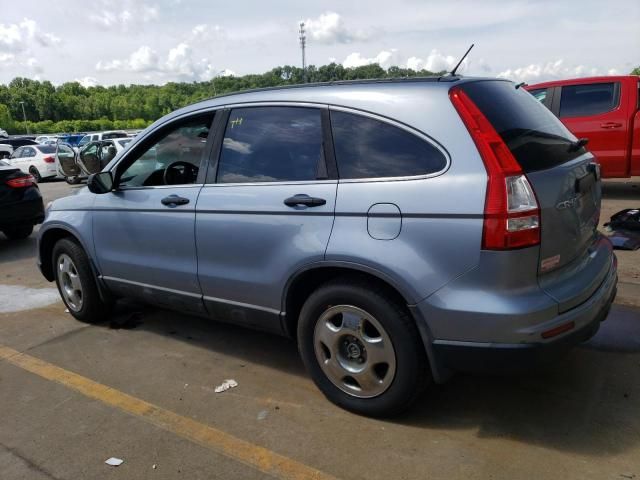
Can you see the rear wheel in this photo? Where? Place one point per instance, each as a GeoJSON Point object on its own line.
{"type": "Point", "coordinates": [362, 348]}
{"type": "Point", "coordinates": [18, 233]}
{"type": "Point", "coordinates": [76, 282]}
{"type": "Point", "coordinates": [36, 174]}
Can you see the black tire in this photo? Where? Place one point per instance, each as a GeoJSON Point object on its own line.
{"type": "Point", "coordinates": [92, 309]}
{"type": "Point", "coordinates": [18, 233]}
{"type": "Point", "coordinates": [35, 174]}
{"type": "Point", "coordinates": [412, 373]}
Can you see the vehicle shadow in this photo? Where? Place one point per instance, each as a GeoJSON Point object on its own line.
{"type": "Point", "coordinates": [13, 250]}
{"type": "Point", "coordinates": [621, 189]}
{"type": "Point", "coordinates": [586, 403]}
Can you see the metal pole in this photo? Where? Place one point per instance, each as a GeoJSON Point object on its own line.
{"type": "Point", "coordinates": [24, 115]}
{"type": "Point", "coordinates": [303, 44]}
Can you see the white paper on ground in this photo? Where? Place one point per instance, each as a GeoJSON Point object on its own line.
{"type": "Point", "coordinates": [114, 462]}
{"type": "Point", "coordinates": [226, 385]}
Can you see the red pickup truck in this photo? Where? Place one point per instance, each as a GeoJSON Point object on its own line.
{"type": "Point", "coordinates": [606, 110]}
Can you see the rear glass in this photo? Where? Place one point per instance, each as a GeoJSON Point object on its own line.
{"type": "Point", "coordinates": [537, 139]}
{"type": "Point", "coordinates": [47, 148]}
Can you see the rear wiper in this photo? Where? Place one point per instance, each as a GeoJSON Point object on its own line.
{"type": "Point", "coordinates": [578, 144]}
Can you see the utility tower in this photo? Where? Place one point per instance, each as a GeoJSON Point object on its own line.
{"type": "Point", "coordinates": [303, 44]}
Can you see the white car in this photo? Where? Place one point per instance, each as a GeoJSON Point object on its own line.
{"type": "Point", "coordinates": [38, 160]}
{"type": "Point", "coordinates": [94, 137]}
{"type": "Point", "coordinates": [45, 139]}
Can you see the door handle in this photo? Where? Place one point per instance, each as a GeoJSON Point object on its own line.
{"type": "Point", "coordinates": [174, 200]}
{"type": "Point", "coordinates": [304, 200]}
{"type": "Point", "coordinates": [610, 125]}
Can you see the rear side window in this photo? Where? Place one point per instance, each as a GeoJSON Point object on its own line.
{"type": "Point", "coordinates": [536, 138]}
{"type": "Point", "coordinates": [588, 99]}
{"type": "Point", "coordinates": [271, 144]}
{"type": "Point", "coordinates": [369, 148]}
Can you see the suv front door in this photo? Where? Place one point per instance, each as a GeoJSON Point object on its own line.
{"type": "Point", "coordinates": [144, 229]}
{"type": "Point", "coordinates": [266, 211]}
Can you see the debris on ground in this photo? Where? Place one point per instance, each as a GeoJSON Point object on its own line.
{"type": "Point", "coordinates": [154, 466]}
{"type": "Point", "coordinates": [625, 226]}
{"type": "Point", "coordinates": [226, 385]}
{"type": "Point", "coordinates": [129, 322]}
{"type": "Point", "coordinates": [262, 414]}
{"type": "Point", "coordinates": [114, 462]}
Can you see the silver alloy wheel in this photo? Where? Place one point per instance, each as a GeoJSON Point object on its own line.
{"type": "Point", "coordinates": [354, 351]}
{"type": "Point", "coordinates": [70, 284]}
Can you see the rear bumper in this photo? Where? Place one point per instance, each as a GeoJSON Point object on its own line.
{"type": "Point", "coordinates": [513, 357]}
{"type": "Point", "coordinates": [29, 211]}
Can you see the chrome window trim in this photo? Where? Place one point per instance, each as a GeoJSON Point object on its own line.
{"type": "Point", "coordinates": [267, 184]}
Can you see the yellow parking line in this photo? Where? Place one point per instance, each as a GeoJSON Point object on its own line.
{"type": "Point", "coordinates": [255, 456]}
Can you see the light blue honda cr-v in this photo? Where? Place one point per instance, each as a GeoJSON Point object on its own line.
{"type": "Point", "coordinates": [400, 230]}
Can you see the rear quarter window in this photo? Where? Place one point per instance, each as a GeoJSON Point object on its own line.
{"type": "Point", "coordinates": [535, 136]}
{"type": "Point", "coordinates": [589, 99]}
{"type": "Point", "coordinates": [370, 148]}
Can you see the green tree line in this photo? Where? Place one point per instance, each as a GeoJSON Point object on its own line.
{"type": "Point", "coordinates": [70, 107]}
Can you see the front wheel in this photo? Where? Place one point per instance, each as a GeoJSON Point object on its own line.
{"type": "Point", "coordinates": [362, 348]}
{"type": "Point", "coordinates": [76, 282]}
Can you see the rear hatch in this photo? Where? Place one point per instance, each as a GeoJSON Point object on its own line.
{"type": "Point", "coordinates": [565, 178]}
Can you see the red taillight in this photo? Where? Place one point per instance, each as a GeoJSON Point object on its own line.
{"type": "Point", "coordinates": [511, 212]}
{"type": "Point", "coordinates": [49, 159]}
{"type": "Point", "coordinates": [21, 182]}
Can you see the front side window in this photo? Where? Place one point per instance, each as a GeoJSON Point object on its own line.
{"type": "Point", "coordinates": [65, 152]}
{"type": "Point", "coordinates": [173, 158]}
{"type": "Point", "coordinates": [369, 148]}
{"type": "Point", "coordinates": [271, 144]}
{"type": "Point", "coordinates": [588, 99]}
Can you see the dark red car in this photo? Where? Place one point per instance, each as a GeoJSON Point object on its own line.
{"type": "Point", "coordinates": [604, 110]}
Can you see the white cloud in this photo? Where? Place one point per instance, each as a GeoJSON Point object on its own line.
{"type": "Point", "coordinates": [330, 28]}
{"type": "Point", "coordinates": [179, 63]}
{"type": "Point", "coordinates": [357, 60]}
{"type": "Point", "coordinates": [87, 81]}
{"type": "Point", "coordinates": [434, 62]}
{"type": "Point", "coordinates": [18, 37]}
{"type": "Point", "coordinates": [125, 16]}
{"type": "Point", "coordinates": [540, 72]}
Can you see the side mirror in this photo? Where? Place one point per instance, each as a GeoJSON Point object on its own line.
{"type": "Point", "coordinates": [101, 182]}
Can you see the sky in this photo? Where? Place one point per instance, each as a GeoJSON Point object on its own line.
{"type": "Point", "coordinates": [110, 42]}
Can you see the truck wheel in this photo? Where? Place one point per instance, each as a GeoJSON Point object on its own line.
{"type": "Point", "coordinates": [18, 233]}
{"type": "Point", "coordinates": [362, 348]}
{"type": "Point", "coordinates": [76, 282]}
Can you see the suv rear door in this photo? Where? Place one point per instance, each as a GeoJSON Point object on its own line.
{"type": "Point", "coordinates": [266, 211]}
{"type": "Point", "coordinates": [592, 109]}
{"type": "Point", "coordinates": [573, 260]}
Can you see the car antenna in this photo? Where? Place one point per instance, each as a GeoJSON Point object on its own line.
{"type": "Point", "coordinates": [453, 72]}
